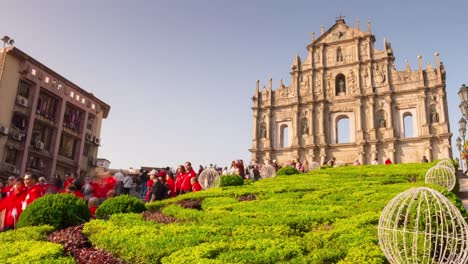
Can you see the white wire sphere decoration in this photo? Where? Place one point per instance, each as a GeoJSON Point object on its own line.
{"type": "Point", "coordinates": [314, 166]}
{"type": "Point", "coordinates": [441, 175]}
{"type": "Point", "coordinates": [267, 171]}
{"type": "Point", "coordinates": [422, 226]}
{"type": "Point", "coordinates": [207, 178]}
{"type": "Point", "coordinates": [447, 163]}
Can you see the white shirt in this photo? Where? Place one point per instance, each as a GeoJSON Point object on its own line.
{"type": "Point", "coordinates": [119, 177]}
{"type": "Point", "coordinates": [128, 181]}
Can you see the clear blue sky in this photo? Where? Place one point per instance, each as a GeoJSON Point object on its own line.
{"type": "Point", "coordinates": [179, 75]}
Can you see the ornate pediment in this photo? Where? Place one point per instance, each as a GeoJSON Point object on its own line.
{"type": "Point", "coordinates": [339, 32]}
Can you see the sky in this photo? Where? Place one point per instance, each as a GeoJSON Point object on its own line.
{"type": "Point", "coordinates": [179, 75]}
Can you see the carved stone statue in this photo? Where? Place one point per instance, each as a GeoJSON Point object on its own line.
{"type": "Point", "coordinates": [341, 87]}
{"type": "Point", "coordinates": [262, 132]}
{"type": "Point", "coordinates": [305, 128]}
{"type": "Point", "coordinates": [435, 117]}
{"type": "Point", "coordinates": [382, 122]}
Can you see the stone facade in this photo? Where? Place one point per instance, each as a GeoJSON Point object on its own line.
{"type": "Point", "coordinates": [396, 114]}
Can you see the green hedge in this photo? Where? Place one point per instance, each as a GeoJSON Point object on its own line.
{"type": "Point", "coordinates": [288, 170]}
{"type": "Point", "coordinates": [57, 210]}
{"type": "Point", "coordinates": [120, 204]}
{"type": "Point", "coordinates": [328, 216]}
{"type": "Point", "coordinates": [29, 245]}
{"type": "Point", "coordinates": [231, 180]}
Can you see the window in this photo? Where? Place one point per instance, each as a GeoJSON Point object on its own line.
{"type": "Point", "coordinates": [42, 133]}
{"type": "Point", "coordinates": [19, 121]}
{"type": "Point", "coordinates": [68, 146]}
{"type": "Point", "coordinates": [408, 125]}
{"type": "Point", "coordinates": [47, 106]}
{"type": "Point", "coordinates": [72, 94]}
{"type": "Point", "coordinates": [284, 136]}
{"type": "Point", "coordinates": [47, 79]}
{"type": "Point", "coordinates": [343, 130]}
{"type": "Point", "coordinates": [33, 72]}
{"type": "Point", "coordinates": [10, 155]}
{"type": "Point", "coordinates": [340, 84]}
{"type": "Point", "coordinates": [23, 88]}
{"type": "Point", "coordinates": [73, 118]}
{"type": "Point", "coordinates": [90, 122]}
{"type": "Point", "coordinates": [36, 163]}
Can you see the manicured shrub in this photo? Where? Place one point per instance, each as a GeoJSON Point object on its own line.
{"type": "Point", "coordinates": [120, 204]}
{"type": "Point", "coordinates": [57, 210]}
{"type": "Point", "coordinates": [230, 180]}
{"type": "Point", "coordinates": [26, 233]}
{"type": "Point", "coordinates": [288, 170]}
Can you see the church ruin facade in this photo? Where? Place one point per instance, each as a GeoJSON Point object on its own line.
{"type": "Point", "coordinates": [347, 101]}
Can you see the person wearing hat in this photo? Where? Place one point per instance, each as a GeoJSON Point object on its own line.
{"type": "Point", "coordinates": [7, 190]}
{"type": "Point", "coordinates": [149, 184]}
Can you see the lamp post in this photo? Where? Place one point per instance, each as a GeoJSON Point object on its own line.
{"type": "Point", "coordinates": [463, 94]}
{"type": "Point", "coordinates": [459, 146]}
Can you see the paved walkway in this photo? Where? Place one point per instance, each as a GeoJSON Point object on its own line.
{"type": "Point", "coordinates": [463, 194]}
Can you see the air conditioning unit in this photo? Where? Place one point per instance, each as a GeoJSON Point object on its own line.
{"type": "Point", "coordinates": [89, 137]}
{"type": "Point", "coordinates": [22, 101]}
{"type": "Point", "coordinates": [39, 145]}
{"type": "Point", "coordinates": [97, 141]}
{"type": "Point", "coordinates": [17, 136]}
{"type": "Point", "coordinates": [10, 168]}
{"type": "Point", "coordinates": [3, 130]}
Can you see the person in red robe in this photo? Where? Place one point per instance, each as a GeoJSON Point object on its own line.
{"type": "Point", "coordinates": [12, 206]}
{"type": "Point", "coordinates": [33, 190]}
{"type": "Point", "coordinates": [180, 176]}
{"type": "Point", "coordinates": [189, 174]}
{"type": "Point", "coordinates": [170, 183]}
{"type": "Point", "coordinates": [195, 185]}
{"type": "Point", "coordinates": [388, 161]}
{"type": "Point", "coordinates": [93, 204]}
{"type": "Point", "coordinates": [9, 188]}
{"type": "Point", "coordinates": [73, 190]}
{"type": "Point", "coordinates": [69, 179]}
{"type": "Point", "coordinates": [149, 184]}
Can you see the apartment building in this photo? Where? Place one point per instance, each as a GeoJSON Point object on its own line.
{"type": "Point", "coordinates": [48, 125]}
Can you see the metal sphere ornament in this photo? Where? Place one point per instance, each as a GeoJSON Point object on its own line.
{"type": "Point", "coordinates": [207, 178]}
{"type": "Point", "coordinates": [314, 166]}
{"type": "Point", "coordinates": [447, 163]}
{"type": "Point", "coordinates": [422, 226]}
{"type": "Point", "coordinates": [442, 176]}
{"type": "Point", "coordinates": [267, 171]}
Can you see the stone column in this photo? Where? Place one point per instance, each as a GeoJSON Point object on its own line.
{"type": "Point", "coordinates": [30, 127]}
{"type": "Point", "coordinates": [321, 123]}
{"type": "Point", "coordinates": [389, 111]}
{"type": "Point", "coordinates": [359, 125]}
{"type": "Point", "coordinates": [269, 133]}
{"type": "Point", "coordinates": [295, 128]}
{"type": "Point", "coordinates": [58, 137]}
{"type": "Point", "coordinates": [370, 118]}
{"type": "Point", "coordinates": [82, 142]}
{"type": "Point", "coordinates": [255, 130]}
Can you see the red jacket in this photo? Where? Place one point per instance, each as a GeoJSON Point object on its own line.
{"type": "Point", "coordinates": [171, 184]}
{"type": "Point", "coordinates": [32, 193]}
{"type": "Point", "coordinates": [68, 182]}
{"type": "Point", "coordinates": [148, 189]}
{"type": "Point", "coordinates": [186, 185]}
{"type": "Point", "coordinates": [179, 179]}
{"type": "Point", "coordinates": [7, 190]}
{"type": "Point", "coordinates": [388, 162]}
{"type": "Point", "coordinates": [196, 187]}
{"type": "Point", "coordinates": [92, 210]}
{"type": "Point", "coordinates": [12, 206]}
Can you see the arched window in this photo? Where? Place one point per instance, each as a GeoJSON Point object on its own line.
{"type": "Point", "coordinates": [408, 125]}
{"type": "Point", "coordinates": [343, 130]}
{"type": "Point", "coordinates": [339, 55]}
{"type": "Point", "coordinates": [284, 136]}
{"type": "Point", "coordinates": [340, 84]}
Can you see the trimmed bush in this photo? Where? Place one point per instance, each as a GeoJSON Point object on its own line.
{"type": "Point", "coordinates": [231, 180]}
{"type": "Point", "coordinates": [57, 210]}
{"type": "Point", "coordinates": [120, 204]}
{"type": "Point", "coordinates": [288, 170]}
